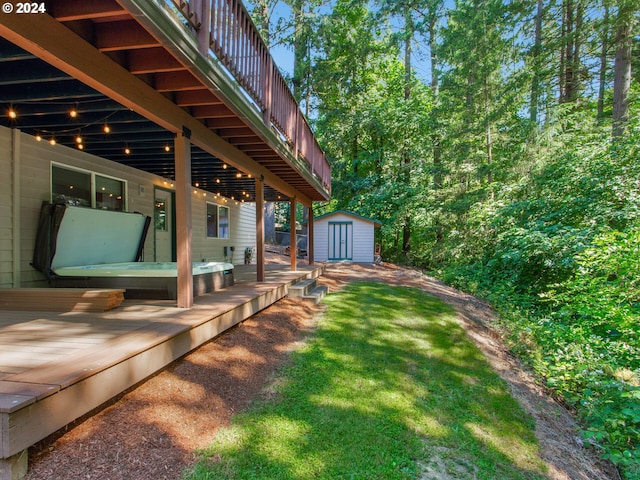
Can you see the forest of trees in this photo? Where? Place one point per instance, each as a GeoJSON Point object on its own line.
{"type": "Point", "coordinates": [498, 143]}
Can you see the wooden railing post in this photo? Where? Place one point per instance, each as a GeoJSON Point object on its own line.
{"type": "Point", "coordinates": [203, 9]}
{"type": "Point", "coordinates": [268, 91]}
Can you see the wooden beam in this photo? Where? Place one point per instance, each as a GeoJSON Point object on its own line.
{"type": "Point", "coordinates": [16, 167]}
{"type": "Point", "coordinates": [259, 230]}
{"type": "Point", "coordinates": [51, 41]}
{"type": "Point", "coordinates": [152, 60]}
{"type": "Point", "coordinates": [197, 98]}
{"type": "Point", "coordinates": [176, 81]}
{"type": "Point", "coordinates": [182, 148]}
{"type": "Point", "coordinates": [125, 35]}
{"type": "Point", "coordinates": [310, 235]}
{"type": "Point", "coordinates": [293, 247]}
{"type": "Point", "coordinates": [69, 10]}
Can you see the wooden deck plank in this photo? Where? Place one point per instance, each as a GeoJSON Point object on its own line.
{"type": "Point", "coordinates": [60, 299]}
{"type": "Point", "coordinates": [99, 355]}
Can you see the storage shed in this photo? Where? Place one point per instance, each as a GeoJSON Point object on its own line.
{"type": "Point", "coordinates": [343, 235]}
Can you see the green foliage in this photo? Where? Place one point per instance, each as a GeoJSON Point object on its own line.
{"type": "Point", "coordinates": [506, 172]}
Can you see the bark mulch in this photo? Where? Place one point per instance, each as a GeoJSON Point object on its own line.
{"type": "Point", "coordinates": [153, 430]}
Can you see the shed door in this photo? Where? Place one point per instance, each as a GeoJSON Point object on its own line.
{"type": "Point", "coordinates": [340, 240]}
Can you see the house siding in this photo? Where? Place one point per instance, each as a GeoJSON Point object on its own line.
{"type": "Point", "coordinates": [35, 184]}
{"type": "Point", "coordinates": [6, 210]}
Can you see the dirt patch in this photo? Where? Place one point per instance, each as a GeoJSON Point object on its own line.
{"type": "Point", "coordinates": [153, 430]}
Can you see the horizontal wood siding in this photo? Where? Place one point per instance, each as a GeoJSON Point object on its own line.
{"type": "Point", "coordinates": [243, 228]}
{"type": "Point", "coordinates": [242, 217]}
{"type": "Point", "coordinates": [321, 240]}
{"type": "Point", "coordinates": [6, 210]}
{"type": "Point", "coordinates": [36, 158]}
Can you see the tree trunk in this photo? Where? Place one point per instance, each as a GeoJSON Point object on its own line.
{"type": "Point", "coordinates": [435, 136]}
{"type": "Point", "coordinates": [262, 19]}
{"type": "Point", "coordinates": [299, 50]}
{"type": "Point", "coordinates": [602, 77]}
{"type": "Point", "coordinates": [535, 81]}
{"type": "Point", "coordinates": [622, 68]}
{"type": "Point", "coordinates": [270, 223]}
{"type": "Point", "coordinates": [406, 230]}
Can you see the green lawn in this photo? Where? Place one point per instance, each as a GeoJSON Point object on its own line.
{"type": "Point", "coordinates": [388, 387]}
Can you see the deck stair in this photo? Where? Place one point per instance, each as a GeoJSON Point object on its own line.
{"type": "Point", "coordinates": [308, 289]}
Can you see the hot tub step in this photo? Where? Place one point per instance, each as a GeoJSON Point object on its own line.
{"type": "Point", "coordinates": [61, 299]}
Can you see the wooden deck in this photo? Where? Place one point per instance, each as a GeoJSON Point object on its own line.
{"type": "Point", "coordinates": [57, 366]}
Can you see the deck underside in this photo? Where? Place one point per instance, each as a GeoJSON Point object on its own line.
{"type": "Point", "coordinates": [57, 366]}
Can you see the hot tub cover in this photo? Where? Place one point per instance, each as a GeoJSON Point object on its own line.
{"type": "Point", "coordinates": [70, 236]}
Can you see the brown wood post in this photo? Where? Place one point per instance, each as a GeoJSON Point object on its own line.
{"type": "Point", "coordinates": [310, 239]}
{"type": "Point", "coordinates": [203, 9]}
{"type": "Point", "coordinates": [183, 218]}
{"type": "Point", "coordinates": [268, 70]}
{"type": "Point", "coordinates": [293, 248]}
{"type": "Point", "coordinates": [260, 229]}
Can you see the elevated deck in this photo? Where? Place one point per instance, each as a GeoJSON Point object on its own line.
{"type": "Point", "coordinates": [57, 366]}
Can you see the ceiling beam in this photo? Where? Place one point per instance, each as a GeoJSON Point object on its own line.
{"type": "Point", "coordinates": [152, 60]}
{"type": "Point", "coordinates": [123, 35]}
{"type": "Point", "coordinates": [69, 10]}
{"type": "Point", "coordinates": [48, 39]}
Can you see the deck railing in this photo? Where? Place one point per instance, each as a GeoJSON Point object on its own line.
{"type": "Point", "coordinates": [225, 30]}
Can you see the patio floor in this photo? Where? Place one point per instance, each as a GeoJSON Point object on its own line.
{"type": "Point", "coordinates": [57, 366]}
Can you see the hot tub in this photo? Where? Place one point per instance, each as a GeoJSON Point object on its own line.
{"type": "Point", "coordinates": [88, 248]}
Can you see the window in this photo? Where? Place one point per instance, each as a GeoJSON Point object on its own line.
{"type": "Point", "coordinates": [217, 221]}
{"type": "Point", "coordinates": [223, 222]}
{"type": "Point", "coordinates": [160, 214]}
{"type": "Point", "coordinates": [72, 187]}
{"type": "Point", "coordinates": [86, 189]}
{"type": "Point", "coordinates": [109, 193]}
{"type": "Point", "coordinates": [212, 220]}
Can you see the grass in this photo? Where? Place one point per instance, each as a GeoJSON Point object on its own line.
{"type": "Point", "coordinates": [388, 387]}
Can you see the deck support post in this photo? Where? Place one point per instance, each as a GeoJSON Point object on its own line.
{"type": "Point", "coordinates": [183, 218]}
{"type": "Point", "coordinates": [310, 239]}
{"type": "Point", "coordinates": [293, 247]}
{"type": "Point", "coordinates": [14, 467]}
{"type": "Point", "coordinates": [16, 160]}
{"type": "Point", "coordinates": [260, 229]}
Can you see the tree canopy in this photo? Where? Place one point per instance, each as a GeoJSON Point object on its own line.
{"type": "Point", "coordinates": [497, 141]}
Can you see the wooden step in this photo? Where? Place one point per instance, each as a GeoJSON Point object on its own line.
{"type": "Point", "coordinates": [61, 299]}
{"type": "Point", "coordinates": [317, 294]}
{"type": "Point", "coordinates": [302, 288]}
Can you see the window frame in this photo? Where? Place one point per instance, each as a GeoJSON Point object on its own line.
{"type": "Point", "coordinates": [92, 184]}
{"type": "Point", "coordinates": [218, 229]}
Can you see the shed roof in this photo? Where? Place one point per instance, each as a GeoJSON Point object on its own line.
{"type": "Point", "coordinates": [376, 223]}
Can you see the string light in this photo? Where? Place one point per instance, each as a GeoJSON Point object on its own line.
{"type": "Point", "coordinates": [106, 129]}
{"type": "Point", "coordinates": [12, 114]}
{"type": "Point", "coordinates": [73, 113]}
{"type": "Point", "coordinates": [52, 141]}
{"type": "Point", "coordinates": [224, 166]}
{"type": "Point", "coordinates": [127, 151]}
{"type": "Point", "coordinates": [167, 148]}
{"type": "Point", "coordinates": [38, 137]}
